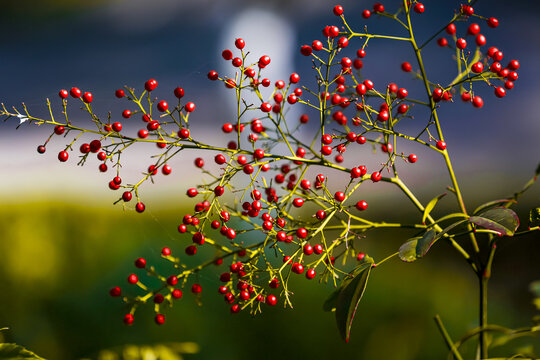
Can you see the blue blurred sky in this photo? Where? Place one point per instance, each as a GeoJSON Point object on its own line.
{"type": "Point", "coordinates": [101, 46]}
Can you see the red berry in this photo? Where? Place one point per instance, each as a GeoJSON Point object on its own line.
{"type": "Point", "coordinates": [473, 29]}
{"type": "Point", "coordinates": [461, 43]}
{"type": "Point", "coordinates": [294, 78]}
{"type": "Point", "coordinates": [513, 65]}
{"type": "Point", "coordinates": [271, 300]}
{"type": "Point", "coordinates": [306, 50]}
{"type": "Point", "coordinates": [402, 93]}
{"type": "Point", "coordinates": [419, 8]}
{"type": "Point", "coordinates": [266, 107]}
{"type": "Point", "coordinates": [128, 319]}
{"type": "Point", "coordinates": [493, 22]}
{"type": "Point", "coordinates": [127, 196]}
{"type": "Point", "coordinates": [441, 145]}
{"type": "Point", "coordinates": [177, 293]}
{"type": "Point", "coordinates": [376, 176]}
{"type": "Point", "coordinates": [150, 85]}
{"type": "Point", "coordinates": [383, 115]}
{"type": "Point", "coordinates": [467, 10]}
{"type": "Point", "coordinates": [301, 233]}
{"type": "Point", "coordinates": [139, 207]}
{"type": "Point", "coordinates": [162, 106]}
{"type": "Point", "coordinates": [140, 263]}
{"type": "Point", "coordinates": [361, 205]}
{"type": "Point", "coordinates": [442, 42]}
{"type": "Point", "coordinates": [310, 274]}
{"type": "Point", "coordinates": [477, 67]}
{"type": "Point", "coordinates": [451, 29]}
{"type": "Point", "coordinates": [191, 250]}
{"type": "Point", "coordinates": [119, 93]}
{"type": "Point", "coordinates": [338, 10]}
{"type": "Point", "coordinates": [63, 94]}
{"type": "Point", "coordinates": [297, 268]}
{"type": "Point", "coordinates": [406, 66]}
{"type": "Point", "coordinates": [166, 169]}
{"type": "Point", "coordinates": [480, 40]}
{"type": "Point", "coordinates": [172, 280]}
{"type": "Point", "coordinates": [478, 102]}
{"type": "Point", "coordinates": [500, 92]}
{"type": "Point", "coordinates": [115, 291]}
{"type": "Point", "coordinates": [199, 162]}
{"type": "Point", "coordinates": [88, 97]}
{"type": "Point", "coordinates": [378, 8]}
{"type": "Point", "coordinates": [75, 92]}
{"type": "Point", "coordinates": [213, 75]}
{"type": "Point", "coordinates": [240, 43]}
{"type": "Point", "coordinates": [343, 42]}
{"type": "Point", "coordinates": [339, 196]}
{"type": "Point", "coordinates": [133, 279]}
{"type": "Point", "coordinates": [160, 319]}
{"type": "Point", "coordinates": [412, 158]}
{"type": "Point", "coordinates": [196, 288]}
{"type": "Point", "coordinates": [63, 156]}
{"type": "Point", "coordinates": [237, 62]}
{"type": "Point", "coordinates": [189, 107]}
{"type": "Point", "coordinates": [366, 14]}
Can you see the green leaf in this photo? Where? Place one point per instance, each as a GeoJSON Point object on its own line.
{"type": "Point", "coordinates": [502, 220]}
{"type": "Point", "coordinates": [430, 206]}
{"type": "Point", "coordinates": [534, 217]}
{"type": "Point", "coordinates": [493, 203]}
{"type": "Point", "coordinates": [16, 352]}
{"type": "Point", "coordinates": [331, 301]}
{"type": "Point", "coordinates": [451, 216]}
{"type": "Point", "coordinates": [349, 297]}
{"type": "Point", "coordinates": [417, 247]}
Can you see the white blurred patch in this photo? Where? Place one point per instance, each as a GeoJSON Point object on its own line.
{"type": "Point", "coordinates": [265, 33]}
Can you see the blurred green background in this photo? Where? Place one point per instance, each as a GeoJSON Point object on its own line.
{"type": "Point", "coordinates": [59, 260]}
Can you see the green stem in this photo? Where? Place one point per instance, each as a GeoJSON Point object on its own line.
{"type": "Point", "coordinates": [444, 152]}
{"type": "Point", "coordinates": [482, 343]}
{"type": "Point", "coordinates": [447, 338]}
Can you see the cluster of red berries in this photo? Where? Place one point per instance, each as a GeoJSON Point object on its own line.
{"type": "Point", "coordinates": [280, 189]}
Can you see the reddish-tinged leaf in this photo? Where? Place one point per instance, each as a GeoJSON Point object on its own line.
{"type": "Point", "coordinates": [502, 220]}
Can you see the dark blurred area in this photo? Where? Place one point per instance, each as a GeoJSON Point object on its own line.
{"type": "Point", "coordinates": [63, 244]}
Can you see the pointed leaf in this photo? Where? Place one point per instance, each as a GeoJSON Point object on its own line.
{"type": "Point", "coordinates": [417, 247]}
{"type": "Point", "coordinates": [493, 203]}
{"type": "Point", "coordinates": [430, 206]}
{"type": "Point", "coordinates": [451, 216]}
{"type": "Point", "coordinates": [16, 352]}
{"type": "Point", "coordinates": [331, 301]}
{"type": "Point", "coordinates": [349, 297]}
{"type": "Point", "coordinates": [502, 220]}
{"type": "Point", "coordinates": [534, 217]}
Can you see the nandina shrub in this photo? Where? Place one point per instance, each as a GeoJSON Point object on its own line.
{"type": "Point", "coordinates": [272, 205]}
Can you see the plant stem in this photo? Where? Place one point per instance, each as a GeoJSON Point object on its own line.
{"type": "Point", "coordinates": [482, 343]}
{"type": "Point", "coordinates": [447, 338]}
{"type": "Point", "coordinates": [444, 152]}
